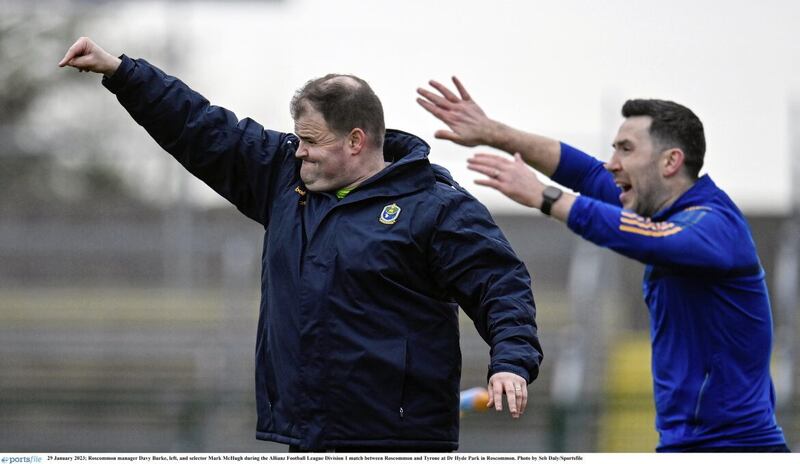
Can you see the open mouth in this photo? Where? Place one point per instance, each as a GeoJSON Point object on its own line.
{"type": "Point", "coordinates": [625, 195]}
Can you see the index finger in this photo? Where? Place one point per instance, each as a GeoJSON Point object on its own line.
{"type": "Point", "coordinates": [461, 89]}
{"type": "Point", "coordinates": [72, 52]}
{"type": "Point", "coordinates": [70, 55]}
{"type": "Point", "coordinates": [497, 389]}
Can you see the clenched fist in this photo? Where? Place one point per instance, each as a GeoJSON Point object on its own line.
{"type": "Point", "coordinates": [86, 55]}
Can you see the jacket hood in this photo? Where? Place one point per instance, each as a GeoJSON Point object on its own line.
{"type": "Point", "coordinates": [409, 171]}
{"type": "Point", "coordinates": [401, 149]}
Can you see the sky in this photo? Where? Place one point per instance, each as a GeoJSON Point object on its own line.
{"type": "Point", "coordinates": [561, 69]}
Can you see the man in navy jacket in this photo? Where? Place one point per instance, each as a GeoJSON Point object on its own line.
{"type": "Point", "coordinates": [711, 323]}
{"type": "Point", "coordinates": [368, 252]}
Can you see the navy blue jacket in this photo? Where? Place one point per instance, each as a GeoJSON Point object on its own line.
{"type": "Point", "coordinates": [358, 341]}
{"type": "Point", "coordinates": [710, 317]}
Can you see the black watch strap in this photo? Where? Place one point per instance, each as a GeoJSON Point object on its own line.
{"type": "Point", "coordinates": [549, 196]}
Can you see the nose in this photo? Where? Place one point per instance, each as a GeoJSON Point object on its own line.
{"type": "Point", "coordinates": [613, 164]}
{"type": "Point", "coordinates": [302, 151]}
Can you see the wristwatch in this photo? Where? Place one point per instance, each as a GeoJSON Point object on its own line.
{"type": "Point", "coordinates": [549, 196]}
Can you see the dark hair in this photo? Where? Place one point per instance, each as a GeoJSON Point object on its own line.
{"type": "Point", "coordinates": [344, 103]}
{"type": "Point", "coordinates": [673, 125]}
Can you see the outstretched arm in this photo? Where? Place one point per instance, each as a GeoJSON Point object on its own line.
{"type": "Point", "coordinates": [86, 55]}
{"type": "Point", "coordinates": [240, 160]}
{"type": "Point", "coordinates": [469, 126]}
{"type": "Point", "coordinates": [697, 240]}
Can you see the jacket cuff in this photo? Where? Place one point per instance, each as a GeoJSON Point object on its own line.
{"type": "Point", "coordinates": [117, 81]}
{"type": "Point", "coordinates": [579, 215]}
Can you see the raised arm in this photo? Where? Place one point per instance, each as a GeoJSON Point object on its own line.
{"type": "Point", "coordinates": [469, 126]}
{"type": "Point", "coordinates": [238, 159]}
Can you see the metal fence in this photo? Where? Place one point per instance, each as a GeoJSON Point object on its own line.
{"type": "Point", "coordinates": [121, 332]}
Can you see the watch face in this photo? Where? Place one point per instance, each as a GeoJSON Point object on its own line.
{"type": "Point", "coordinates": [549, 196]}
{"type": "Point", "coordinates": [552, 193]}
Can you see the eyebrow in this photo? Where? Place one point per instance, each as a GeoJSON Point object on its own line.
{"type": "Point", "coordinates": [617, 143]}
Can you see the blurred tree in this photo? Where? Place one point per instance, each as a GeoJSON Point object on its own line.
{"type": "Point", "coordinates": [38, 169]}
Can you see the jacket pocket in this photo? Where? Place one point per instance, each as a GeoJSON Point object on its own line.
{"type": "Point", "coordinates": [367, 390]}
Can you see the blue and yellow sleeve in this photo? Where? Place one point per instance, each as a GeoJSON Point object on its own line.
{"type": "Point", "coordinates": [586, 175]}
{"type": "Point", "coordinates": [695, 238]}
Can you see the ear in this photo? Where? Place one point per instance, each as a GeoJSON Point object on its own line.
{"type": "Point", "coordinates": [356, 141]}
{"type": "Point", "coordinates": [672, 162]}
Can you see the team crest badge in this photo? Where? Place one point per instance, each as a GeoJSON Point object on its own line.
{"type": "Point", "coordinates": [390, 213]}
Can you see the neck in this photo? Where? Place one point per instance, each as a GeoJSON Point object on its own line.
{"type": "Point", "coordinates": [676, 190]}
{"type": "Point", "coordinates": [367, 170]}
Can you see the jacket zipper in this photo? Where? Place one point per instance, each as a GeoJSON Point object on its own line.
{"type": "Point", "coordinates": [700, 397]}
{"type": "Point", "coordinates": [403, 382]}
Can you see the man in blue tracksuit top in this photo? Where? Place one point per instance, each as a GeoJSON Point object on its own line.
{"type": "Point", "coordinates": [368, 252]}
{"type": "Point", "coordinates": [710, 317]}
